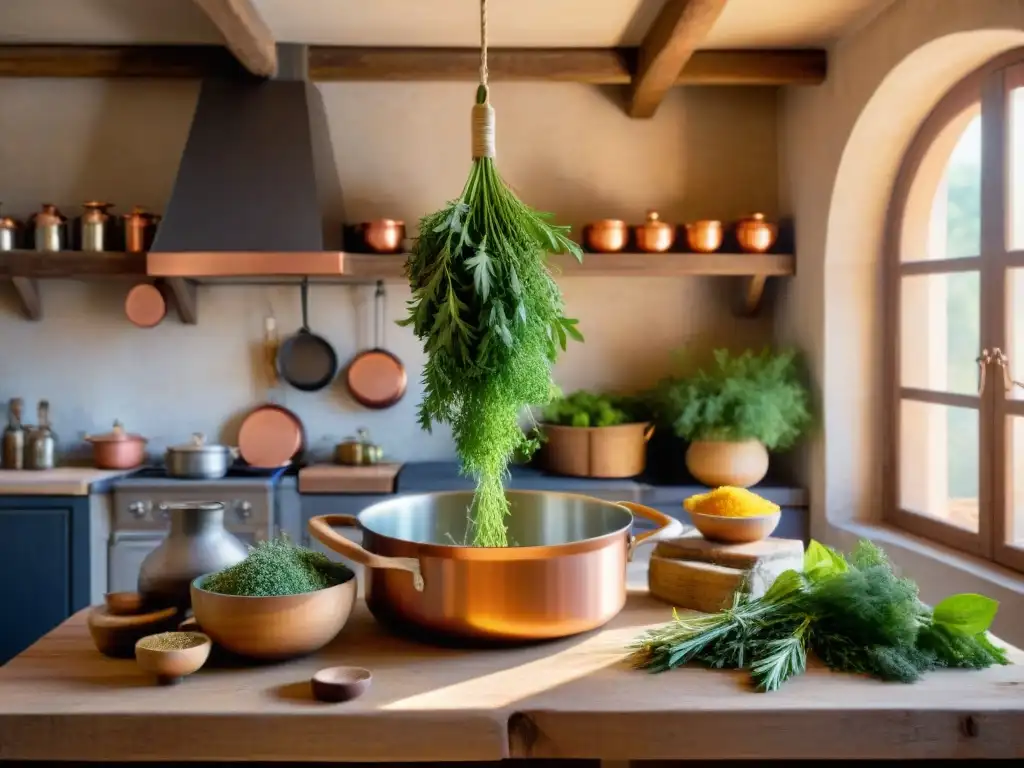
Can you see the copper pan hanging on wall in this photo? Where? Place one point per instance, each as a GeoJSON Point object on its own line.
{"type": "Point", "coordinates": [376, 378]}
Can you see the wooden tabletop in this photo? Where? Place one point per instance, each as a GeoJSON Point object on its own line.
{"type": "Point", "coordinates": [62, 700]}
{"type": "Point", "coordinates": [61, 481]}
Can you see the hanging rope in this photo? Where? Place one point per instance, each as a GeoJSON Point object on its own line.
{"type": "Point", "coordinates": [482, 125]}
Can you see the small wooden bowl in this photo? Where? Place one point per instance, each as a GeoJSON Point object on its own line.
{"type": "Point", "coordinates": [736, 530]}
{"type": "Point", "coordinates": [170, 665]}
{"type": "Point", "coordinates": [123, 603]}
{"type": "Point", "coordinates": [340, 683]}
{"type": "Point", "coordinates": [116, 636]}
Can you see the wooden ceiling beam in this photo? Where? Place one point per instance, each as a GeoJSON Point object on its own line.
{"type": "Point", "coordinates": [597, 66]}
{"type": "Point", "coordinates": [245, 33]}
{"type": "Point", "coordinates": [668, 45]}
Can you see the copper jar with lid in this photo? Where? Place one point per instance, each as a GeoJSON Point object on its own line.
{"type": "Point", "coordinates": [117, 449]}
{"type": "Point", "coordinates": [94, 227]}
{"type": "Point", "coordinates": [606, 235]}
{"type": "Point", "coordinates": [755, 234]}
{"type": "Point", "coordinates": [9, 230]}
{"type": "Point", "coordinates": [654, 235]}
{"type": "Point", "coordinates": [48, 230]}
{"type": "Point", "coordinates": [383, 235]}
{"type": "Point", "coordinates": [139, 229]}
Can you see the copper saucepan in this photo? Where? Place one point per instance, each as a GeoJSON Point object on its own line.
{"type": "Point", "coordinates": [376, 378]}
{"type": "Point", "coordinates": [568, 564]}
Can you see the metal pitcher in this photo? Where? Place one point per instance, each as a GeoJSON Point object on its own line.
{"type": "Point", "coordinates": [197, 543]}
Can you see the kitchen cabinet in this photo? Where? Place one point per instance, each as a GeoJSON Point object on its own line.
{"type": "Point", "coordinates": [44, 566]}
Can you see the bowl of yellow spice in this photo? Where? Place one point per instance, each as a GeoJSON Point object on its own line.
{"type": "Point", "coordinates": [733, 515]}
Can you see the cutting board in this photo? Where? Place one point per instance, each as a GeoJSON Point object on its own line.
{"type": "Point", "coordinates": [335, 478]}
{"type": "Point", "coordinates": [701, 575]}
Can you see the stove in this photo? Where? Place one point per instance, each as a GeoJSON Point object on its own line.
{"type": "Point", "coordinates": [257, 506]}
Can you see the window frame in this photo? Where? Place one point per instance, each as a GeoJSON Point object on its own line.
{"type": "Point", "coordinates": [986, 89]}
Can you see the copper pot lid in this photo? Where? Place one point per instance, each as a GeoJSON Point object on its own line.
{"type": "Point", "coordinates": [607, 224]}
{"type": "Point", "coordinates": [197, 444]}
{"type": "Point", "coordinates": [654, 222]}
{"type": "Point", "coordinates": [269, 437]}
{"type": "Point", "coordinates": [145, 305]}
{"type": "Point", "coordinates": [116, 435]}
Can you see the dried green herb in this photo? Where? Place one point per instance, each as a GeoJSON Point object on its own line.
{"type": "Point", "coordinates": [490, 315]}
{"type": "Point", "coordinates": [275, 568]}
{"type": "Point", "coordinates": [856, 615]}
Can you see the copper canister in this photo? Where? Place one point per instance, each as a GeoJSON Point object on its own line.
{"type": "Point", "coordinates": [9, 233]}
{"type": "Point", "coordinates": [94, 228]}
{"type": "Point", "coordinates": [48, 229]}
{"type": "Point", "coordinates": [139, 229]}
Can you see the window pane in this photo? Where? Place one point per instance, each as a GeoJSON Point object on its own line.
{"type": "Point", "coordinates": [1015, 171]}
{"type": "Point", "coordinates": [940, 318]}
{"type": "Point", "coordinates": [939, 462]}
{"type": "Point", "coordinates": [953, 228]}
{"type": "Point", "coordinates": [1015, 483]}
{"type": "Point", "coordinates": [1015, 328]}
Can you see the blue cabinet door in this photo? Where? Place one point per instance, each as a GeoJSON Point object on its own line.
{"type": "Point", "coordinates": [44, 566]}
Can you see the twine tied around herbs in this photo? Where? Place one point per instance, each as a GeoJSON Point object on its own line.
{"type": "Point", "coordinates": [482, 125]}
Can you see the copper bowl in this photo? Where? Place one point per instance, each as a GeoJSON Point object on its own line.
{"type": "Point", "coordinates": [654, 235]}
{"type": "Point", "coordinates": [606, 235]}
{"type": "Point", "coordinates": [755, 235]}
{"type": "Point", "coordinates": [704, 236]}
{"type": "Point", "coordinates": [383, 235]}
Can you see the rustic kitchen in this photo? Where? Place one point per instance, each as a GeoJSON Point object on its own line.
{"type": "Point", "coordinates": [445, 369]}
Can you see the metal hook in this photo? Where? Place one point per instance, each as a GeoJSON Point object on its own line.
{"type": "Point", "coordinates": [982, 360]}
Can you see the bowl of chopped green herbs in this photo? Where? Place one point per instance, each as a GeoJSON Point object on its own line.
{"type": "Point", "coordinates": [282, 601]}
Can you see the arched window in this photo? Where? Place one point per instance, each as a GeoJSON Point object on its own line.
{"type": "Point", "coordinates": [955, 321]}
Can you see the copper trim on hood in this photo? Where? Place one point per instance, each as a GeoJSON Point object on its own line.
{"type": "Point", "coordinates": [245, 263]}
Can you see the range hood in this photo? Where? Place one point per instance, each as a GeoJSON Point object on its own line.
{"type": "Point", "coordinates": [257, 191]}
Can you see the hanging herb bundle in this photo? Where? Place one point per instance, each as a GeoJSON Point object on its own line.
{"type": "Point", "coordinates": [491, 317]}
{"type": "Point", "coordinates": [855, 614]}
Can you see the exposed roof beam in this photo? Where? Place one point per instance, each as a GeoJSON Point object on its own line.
{"type": "Point", "coordinates": [245, 32]}
{"type": "Point", "coordinates": [670, 42]}
{"type": "Point", "coordinates": [597, 66]}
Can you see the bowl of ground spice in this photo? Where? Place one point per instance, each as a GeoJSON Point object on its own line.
{"type": "Point", "coordinates": [282, 601]}
{"type": "Point", "coordinates": [733, 515]}
{"type": "Point", "coordinates": [170, 656]}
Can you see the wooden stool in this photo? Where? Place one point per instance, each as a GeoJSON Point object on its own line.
{"type": "Point", "coordinates": [701, 575]}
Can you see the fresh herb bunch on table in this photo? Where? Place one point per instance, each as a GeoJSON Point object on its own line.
{"type": "Point", "coordinates": [854, 614]}
{"type": "Point", "coordinates": [491, 317]}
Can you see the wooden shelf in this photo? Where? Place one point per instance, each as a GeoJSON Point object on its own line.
{"type": "Point", "coordinates": [26, 268]}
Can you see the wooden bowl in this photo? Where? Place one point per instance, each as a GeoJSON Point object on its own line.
{"type": "Point", "coordinates": [736, 530]}
{"type": "Point", "coordinates": [123, 603]}
{"type": "Point", "coordinates": [273, 627]}
{"type": "Point", "coordinates": [116, 636]}
{"type": "Point", "coordinates": [340, 683]}
{"type": "Point", "coordinates": [170, 665]}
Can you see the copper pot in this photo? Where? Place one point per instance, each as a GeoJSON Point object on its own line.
{"type": "Point", "coordinates": [383, 235]}
{"type": "Point", "coordinates": [606, 235]}
{"type": "Point", "coordinates": [654, 235]}
{"type": "Point", "coordinates": [704, 236]}
{"type": "Point", "coordinates": [755, 235]}
{"type": "Point", "coordinates": [139, 229]}
{"type": "Point", "coordinates": [568, 563]}
{"type": "Point", "coordinates": [117, 449]}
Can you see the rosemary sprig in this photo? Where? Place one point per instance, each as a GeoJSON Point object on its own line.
{"type": "Point", "coordinates": [855, 614]}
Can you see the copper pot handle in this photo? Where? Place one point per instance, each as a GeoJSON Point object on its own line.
{"type": "Point", "coordinates": [668, 527]}
{"type": "Point", "coordinates": [648, 433]}
{"type": "Point", "coordinates": [322, 527]}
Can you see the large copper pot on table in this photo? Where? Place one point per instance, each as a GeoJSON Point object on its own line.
{"type": "Point", "coordinates": [564, 574]}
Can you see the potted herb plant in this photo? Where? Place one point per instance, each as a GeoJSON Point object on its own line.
{"type": "Point", "coordinates": [594, 435]}
{"type": "Point", "coordinates": [734, 412]}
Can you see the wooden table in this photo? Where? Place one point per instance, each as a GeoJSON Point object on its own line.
{"type": "Point", "coordinates": [62, 700]}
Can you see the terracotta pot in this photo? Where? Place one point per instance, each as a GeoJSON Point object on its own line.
{"type": "Point", "coordinates": [618, 451]}
{"type": "Point", "coordinates": [718, 462]}
{"type": "Point", "coordinates": [117, 449]}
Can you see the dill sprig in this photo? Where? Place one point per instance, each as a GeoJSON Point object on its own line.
{"type": "Point", "coordinates": [491, 317]}
{"type": "Point", "coordinates": [854, 614]}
